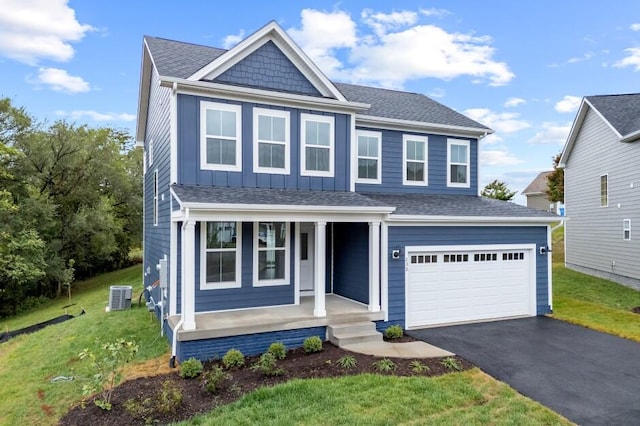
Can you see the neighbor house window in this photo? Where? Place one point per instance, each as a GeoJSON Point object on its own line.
{"type": "Point", "coordinates": [316, 152]}
{"type": "Point", "coordinates": [626, 229]}
{"type": "Point", "coordinates": [220, 136]}
{"type": "Point", "coordinates": [415, 160]}
{"type": "Point", "coordinates": [604, 190]}
{"type": "Point", "coordinates": [458, 163]}
{"type": "Point", "coordinates": [220, 261]}
{"type": "Point", "coordinates": [271, 262]}
{"type": "Point", "coordinates": [155, 197]}
{"type": "Point", "coordinates": [271, 141]}
{"type": "Point", "coordinates": [369, 156]}
{"type": "Point", "coordinates": [150, 152]}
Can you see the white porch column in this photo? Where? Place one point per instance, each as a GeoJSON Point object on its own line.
{"type": "Point", "coordinates": [189, 277]}
{"type": "Point", "coordinates": [319, 269]}
{"type": "Point", "coordinates": [374, 266]}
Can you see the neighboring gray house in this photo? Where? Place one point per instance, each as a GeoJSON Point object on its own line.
{"type": "Point", "coordinates": [602, 188]}
{"type": "Point", "coordinates": [536, 194]}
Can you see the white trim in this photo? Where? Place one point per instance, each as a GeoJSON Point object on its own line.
{"type": "Point", "coordinates": [606, 204]}
{"type": "Point", "coordinates": [291, 216]}
{"type": "Point", "coordinates": [450, 142]}
{"type": "Point", "coordinates": [419, 126]}
{"type": "Point", "coordinates": [173, 141]}
{"type": "Point", "coordinates": [384, 270]}
{"type": "Point", "coordinates": [413, 220]}
{"type": "Point", "coordinates": [549, 268]}
{"type": "Point", "coordinates": [188, 276]}
{"type": "Point", "coordinates": [204, 285]}
{"type": "Point", "coordinates": [374, 267]}
{"type": "Point", "coordinates": [173, 266]}
{"type": "Point", "coordinates": [237, 110]}
{"type": "Point", "coordinates": [353, 146]}
{"type": "Point", "coordinates": [257, 112]}
{"type": "Point", "coordinates": [319, 269]}
{"type": "Point", "coordinates": [150, 152]}
{"type": "Point", "coordinates": [156, 197]}
{"type": "Point", "coordinates": [378, 158]}
{"type": "Point", "coordinates": [626, 228]}
{"type": "Point", "coordinates": [144, 161]}
{"type": "Point", "coordinates": [257, 282]}
{"type": "Point", "coordinates": [415, 138]}
{"type": "Point", "coordinates": [296, 266]}
{"type": "Point", "coordinates": [328, 119]}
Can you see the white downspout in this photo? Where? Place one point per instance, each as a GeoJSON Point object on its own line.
{"type": "Point", "coordinates": [174, 343]}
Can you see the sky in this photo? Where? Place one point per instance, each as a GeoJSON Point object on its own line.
{"type": "Point", "coordinates": [520, 68]}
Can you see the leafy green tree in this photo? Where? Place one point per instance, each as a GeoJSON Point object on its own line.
{"type": "Point", "coordinates": [498, 190]}
{"type": "Point", "coordinates": [555, 181]}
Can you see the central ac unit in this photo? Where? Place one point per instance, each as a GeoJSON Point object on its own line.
{"type": "Point", "coordinates": [119, 297]}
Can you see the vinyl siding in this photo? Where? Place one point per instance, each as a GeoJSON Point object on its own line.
{"type": "Point", "coordinates": [594, 237]}
{"type": "Point", "coordinates": [351, 261]}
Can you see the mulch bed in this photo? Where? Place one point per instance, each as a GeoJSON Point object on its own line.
{"type": "Point", "coordinates": [196, 400]}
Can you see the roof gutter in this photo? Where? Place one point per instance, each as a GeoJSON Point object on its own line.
{"type": "Point", "coordinates": [285, 208]}
{"type": "Point", "coordinates": [398, 218]}
{"type": "Point", "coordinates": [399, 124]}
{"type": "Point", "coordinates": [631, 137]}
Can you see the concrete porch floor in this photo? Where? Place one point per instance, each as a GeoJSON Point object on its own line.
{"type": "Point", "coordinates": [261, 320]}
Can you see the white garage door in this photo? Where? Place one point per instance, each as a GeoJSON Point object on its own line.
{"type": "Point", "coordinates": [461, 285]}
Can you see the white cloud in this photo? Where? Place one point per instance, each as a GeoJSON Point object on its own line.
{"type": "Point", "coordinates": [551, 133]}
{"type": "Point", "coordinates": [635, 27]}
{"type": "Point", "coordinates": [398, 49]}
{"type": "Point", "coordinates": [231, 40]}
{"type": "Point", "coordinates": [438, 92]}
{"type": "Point", "coordinates": [504, 122]}
{"type": "Point", "coordinates": [31, 30]}
{"type": "Point", "coordinates": [434, 12]}
{"type": "Point", "coordinates": [60, 81]}
{"type": "Point", "coordinates": [568, 104]}
{"type": "Point", "coordinates": [96, 116]}
{"type": "Point", "coordinates": [514, 102]}
{"type": "Point", "coordinates": [632, 59]}
{"type": "Point", "coordinates": [577, 59]}
{"type": "Point", "coordinates": [498, 158]}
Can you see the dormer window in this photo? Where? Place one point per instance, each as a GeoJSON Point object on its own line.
{"type": "Point", "coordinates": [458, 166]}
{"type": "Point", "coordinates": [220, 136]}
{"type": "Point", "coordinates": [317, 134]}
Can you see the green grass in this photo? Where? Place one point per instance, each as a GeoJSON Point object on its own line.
{"type": "Point", "coordinates": [29, 362]}
{"type": "Point", "coordinates": [471, 397]}
{"type": "Point", "coordinates": [557, 245]}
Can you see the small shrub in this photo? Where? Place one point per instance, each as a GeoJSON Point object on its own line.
{"type": "Point", "coordinates": [166, 401]}
{"type": "Point", "coordinates": [347, 362]}
{"type": "Point", "coordinates": [278, 349]}
{"type": "Point", "coordinates": [418, 367]}
{"type": "Point", "coordinates": [312, 344]}
{"type": "Point", "coordinates": [451, 364]}
{"type": "Point", "coordinates": [191, 368]}
{"type": "Point", "coordinates": [213, 378]}
{"type": "Point", "coordinates": [385, 365]}
{"type": "Point", "coordinates": [233, 359]}
{"type": "Point", "coordinates": [393, 332]}
{"type": "Point", "coordinates": [266, 364]}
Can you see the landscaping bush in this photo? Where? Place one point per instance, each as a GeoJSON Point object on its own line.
{"type": "Point", "coordinates": [417, 367]}
{"type": "Point", "coordinates": [166, 401]}
{"type": "Point", "coordinates": [385, 365]}
{"type": "Point", "coordinates": [190, 368]}
{"type": "Point", "coordinates": [312, 344]}
{"type": "Point", "coordinates": [347, 362]}
{"type": "Point", "coordinates": [393, 332]}
{"type": "Point", "coordinates": [213, 378]}
{"type": "Point", "coordinates": [266, 364]}
{"type": "Point", "coordinates": [278, 349]}
{"type": "Point", "coordinates": [233, 359]}
{"type": "Point", "coordinates": [451, 364]}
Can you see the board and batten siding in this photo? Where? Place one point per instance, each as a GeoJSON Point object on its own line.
{"type": "Point", "coordinates": [157, 237]}
{"type": "Point", "coordinates": [189, 172]}
{"type": "Point", "coordinates": [351, 261]}
{"type": "Point", "coordinates": [594, 234]}
{"type": "Point", "coordinates": [402, 236]}
{"type": "Point", "coordinates": [392, 168]}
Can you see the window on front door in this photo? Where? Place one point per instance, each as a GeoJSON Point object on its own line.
{"type": "Point", "coordinates": [271, 259]}
{"type": "Point", "coordinates": [458, 163]}
{"type": "Point", "coordinates": [220, 136]}
{"type": "Point", "coordinates": [220, 261]}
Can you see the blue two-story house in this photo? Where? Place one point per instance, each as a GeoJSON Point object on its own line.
{"type": "Point", "coordinates": [279, 203]}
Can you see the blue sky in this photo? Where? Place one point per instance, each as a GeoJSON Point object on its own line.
{"type": "Point", "coordinates": [519, 67]}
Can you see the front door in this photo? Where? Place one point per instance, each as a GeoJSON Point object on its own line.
{"type": "Point", "coordinates": [307, 233]}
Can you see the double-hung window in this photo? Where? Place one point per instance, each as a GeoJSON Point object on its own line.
{"type": "Point", "coordinates": [271, 141]}
{"type": "Point", "coordinates": [271, 262]}
{"type": "Point", "coordinates": [316, 153]}
{"type": "Point", "coordinates": [458, 164]}
{"type": "Point", "coordinates": [415, 160]}
{"type": "Point", "coordinates": [220, 261]}
{"type": "Point", "coordinates": [220, 136]}
{"type": "Point", "coordinates": [369, 156]}
{"type": "Point", "coordinates": [604, 190]}
{"type": "Point", "coordinates": [626, 229]}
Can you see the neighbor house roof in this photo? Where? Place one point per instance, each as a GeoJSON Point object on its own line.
{"type": "Point", "coordinates": [538, 185]}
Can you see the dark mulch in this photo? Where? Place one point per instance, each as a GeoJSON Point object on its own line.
{"type": "Point", "coordinates": [636, 310]}
{"type": "Point", "coordinates": [196, 400]}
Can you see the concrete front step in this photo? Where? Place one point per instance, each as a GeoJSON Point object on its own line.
{"type": "Point", "coordinates": [353, 333]}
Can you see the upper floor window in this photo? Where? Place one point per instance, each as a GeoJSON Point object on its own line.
{"type": "Point", "coordinates": [271, 262]}
{"type": "Point", "coordinates": [220, 136]}
{"type": "Point", "coordinates": [271, 141]}
{"type": "Point", "coordinates": [604, 190]}
{"type": "Point", "coordinates": [369, 157]}
{"type": "Point", "coordinates": [626, 229]}
{"type": "Point", "coordinates": [155, 197]}
{"type": "Point", "coordinates": [415, 160]}
{"type": "Point", "coordinates": [317, 145]}
{"type": "Point", "coordinates": [458, 163]}
{"type": "Point", "coordinates": [220, 261]}
{"type": "Point", "coordinates": [150, 152]}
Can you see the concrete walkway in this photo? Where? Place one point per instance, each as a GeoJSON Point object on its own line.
{"type": "Point", "coordinates": [398, 350]}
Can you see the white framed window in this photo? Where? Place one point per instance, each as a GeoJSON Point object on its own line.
{"type": "Point", "coordinates": [626, 229]}
{"type": "Point", "coordinates": [604, 190]}
{"type": "Point", "coordinates": [220, 261]}
{"type": "Point", "coordinates": [317, 145]}
{"type": "Point", "coordinates": [271, 141]}
{"type": "Point", "coordinates": [155, 198]}
{"type": "Point", "coordinates": [458, 163]}
{"type": "Point", "coordinates": [150, 152]}
{"type": "Point", "coordinates": [271, 259]}
{"type": "Point", "coordinates": [220, 136]}
{"type": "Point", "coordinates": [369, 156]}
{"type": "Point", "coordinates": [144, 162]}
{"type": "Point", "coordinates": [415, 157]}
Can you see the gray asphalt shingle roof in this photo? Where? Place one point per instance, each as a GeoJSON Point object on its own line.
{"type": "Point", "coordinates": [181, 60]}
{"type": "Point", "coordinates": [622, 111]}
{"type": "Point", "coordinates": [539, 184]}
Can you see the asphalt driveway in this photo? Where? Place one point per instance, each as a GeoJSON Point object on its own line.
{"type": "Point", "coordinates": [591, 378]}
